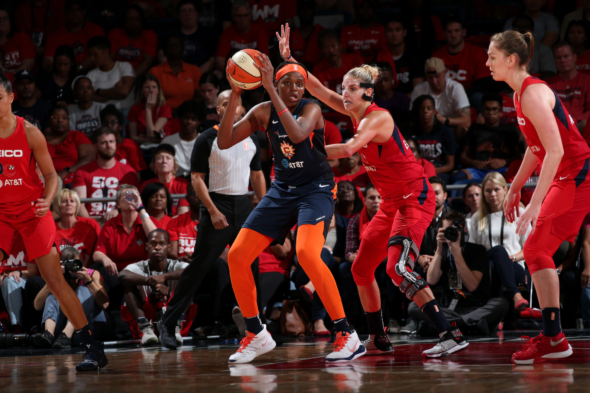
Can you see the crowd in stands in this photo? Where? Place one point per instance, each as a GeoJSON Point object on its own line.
{"type": "Point", "coordinates": [122, 90]}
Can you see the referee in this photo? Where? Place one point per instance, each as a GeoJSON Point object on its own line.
{"type": "Point", "coordinates": [220, 178]}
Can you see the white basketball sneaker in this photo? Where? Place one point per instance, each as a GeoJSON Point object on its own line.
{"type": "Point", "coordinates": [148, 337]}
{"type": "Point", "coordinates": [347, 347]}
{"type": "Point", "coordinates": [252, 346]}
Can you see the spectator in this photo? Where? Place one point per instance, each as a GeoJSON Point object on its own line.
{"type": "Point", "coordinates": [546, 26]}
{"type": "Point", "coordinates": [572, 87]}
{"type": "Point", "coordinates": [179, 80]}
{"type": "Point", "coordinates": [134, 43]}
{"type": "Point", "coordinates": [39, 18]}
{"type": "Point", "coordinates": [403, 59]}
{"type": "Point", "coordinates": [466, 285]}
{"type": "Point", "coordinates": [164, 165]}
{"type": "Point", "coordinates": [101, 178]}
{"type": "Point", "coordinates": [214, 15]}
{"type": "Point", "coordinates": [489, 228]}
{"type": "Point", "coordinates": [128, 151]}
{"type": "Point", "coordinates": [149, 117]}
{"type": "Point", "coordinates": [332, 134]}
{"type": "Point", "coordinates": [56, 87]}
{"type": "Point", "coordinates": [209, 86]}
{"type": "Point", "coordinates": [122, 239]}
{"type": "Point", "coordinates": [577, 35]}
{"type": "Point", "coordinates": [334, 64]}
{"type": "Point", "coordinates": [158, 204]}
{"type": "Point", "coordinates": [429, 169]}
{"type": "Point", "coordinates": [366, 37]}
{"type": "Point", "coordinates": [581, 14]}
{"type": "Point", "coordinates": [89, 287]}
{"type": "Point", "coordinates": [583, 243]}
{"type": "Point", "coordinates": [465, 62]}
{"type": "Point", "coordinates": [451, 104]}
{"type": "Point", "coordinates": [77, 33]}
{"type": "Point", "coordinates": [490, 146]}
{"type": "Point", "coordinates": [542, 63]}
{"type": "Point", "coordinates": [242, 34]}
{"type": "Point", "coordinates": [183, 228]}
{"type": "Point", "coordinates": [351, 169]}
{"type": "Point", "coordinates": [396, 102]}
{"type": "Point", "coordinates": [190, 115]}
{"type": "Point", "coordinates": [9, 75]}
{"type": "Point", "coordinates": [69, 149]}
{"type": "Point", "coordinates": [471, 197]}
{"type": "Point", "coordinates": [359, 222]}
{"type": "Point", "coordinates": [19, 50]}
{"type": "Point", "coordinates": [304, 39]}
{"type": "Point", "coordinates": [435, 139]}
{"type": "Point", "coordinates": [148, 285]}
{"type": "Point", "coordinates": [349, 202]}
{"type": "Point", "coordinates": [73, 231]}
{"type": "Point", "coordinates": [428, 30]}
{"type": "Point", "coordinates": [85, 114]}
{"type": "Point", "coordinates": [429, 241]}
{"type": "Point", "coordinates": [27, 105]}
{"type": "Point", "coordinates": [272, 14]}
{"type": "Point", "coordinates": [113, 81]}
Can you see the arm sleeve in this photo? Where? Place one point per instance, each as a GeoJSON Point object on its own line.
{"type": "Point", "coordinates": [126, 69]}
{"type": "Point", "coordinates": [460, 97]}
{"type": "Point", "coordinates": [201, 153]}
{"type": "Point", "coordinates": [255, 163]}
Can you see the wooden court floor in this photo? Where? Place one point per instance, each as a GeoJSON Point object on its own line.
{"type": "Point", "coordinates": [298, 366]}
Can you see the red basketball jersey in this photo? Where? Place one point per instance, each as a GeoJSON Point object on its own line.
{"type": "Point", "coordinates": [391, 165]}
{"type": "Point", "coordinates": [19, 182]}
{"type": "Point", "coordinates": [575, 147]}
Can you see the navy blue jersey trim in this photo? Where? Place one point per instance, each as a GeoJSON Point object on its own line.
{"type": "Point", "coordinates": [581, 176]}
{"type": "Point", "coordinates": [424, 194]}
{"type": "Point", "coordinates": [398, 139]}
{"type": "Point", "coordinates": [560, 112]}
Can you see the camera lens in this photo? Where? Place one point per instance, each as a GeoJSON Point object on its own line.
{"type": "Point", "coordinates": [451, 234]}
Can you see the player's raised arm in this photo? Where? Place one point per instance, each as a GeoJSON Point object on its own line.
{"type": "Point", "coordinates": [38, 145]}
{"type": "Point", "coordinates": [313, 85]}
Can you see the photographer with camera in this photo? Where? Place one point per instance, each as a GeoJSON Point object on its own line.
{"type": "Point", "coordinates": [462, 270]}
{"type": "Point", "coordinates": [88, 286]}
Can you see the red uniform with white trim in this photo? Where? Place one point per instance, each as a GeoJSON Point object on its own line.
{"type": "Point", "coordinates": [20, 187]}
{"type": "Point", "coordinates": [567, 201]}
{"type": "Point", "coordinates": [406, 210]}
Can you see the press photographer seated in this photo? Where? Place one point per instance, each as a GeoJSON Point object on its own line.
{"type": "Point", "coordinates": [463, 271]}
{"type": "Point", "coordinates": [89, 287]}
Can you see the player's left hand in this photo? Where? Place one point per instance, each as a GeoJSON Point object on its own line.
{"type": "Point", "coordinates": [266, 70]}
{"type": "Point", "coordinates": [530, 216]}
{"type": "Point", "coordinates": [41, 207]}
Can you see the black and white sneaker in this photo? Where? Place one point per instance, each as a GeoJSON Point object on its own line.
{"type": "Point", "coordinates": [94, 359]}
{"type": "Point", "coordinates": [450, 342]}
{"type": "Point", "coordinates": [378, 344]}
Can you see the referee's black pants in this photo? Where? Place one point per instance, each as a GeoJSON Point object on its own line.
{"type": "Point", "coordinates": [209, 245]}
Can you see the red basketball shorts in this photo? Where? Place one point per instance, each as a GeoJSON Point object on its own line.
{"type": "Point", "coordinates": [408, 217]}
{"type": "Point", "coordinates": [38, 233]}
{"type": "Point", "coordinates": [566, 204]}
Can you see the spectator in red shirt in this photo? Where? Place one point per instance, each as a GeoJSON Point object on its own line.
{"type": "Point", "coordinates": [134, 43]}
{"type": "Point", "coordinates": [348, 202]}
{"type": "Point", "coordinates": [429, 169]}
{"type": "Point", "coordinates": [183, 228]}
{"type": "Point", "coordinates": [164, 166]}
{"type": "Point", "coordinates": [577, 36]}
{"type": "Point", "coordinates": [271, 14]}
{"type": "Point", "coordinates": [304, 39]}
{"type": "Point", "coordinates": [128, 151]}
{"type": "Point", "coordinates": [366, 37]}
{"type": "Point", "coordinates": [465, 62]}
{"type": "Point", "coordinates": [39, 18]}
{"type": "Point", "coordinates": [69, 149]}
{"type": "Point", "coordinates": [76, 33]}
{"type": "Point", "coordinates": [158, 204]}
{"type": "Point", "coordinates": [19, 50]}
{"type": "Point", "coordinates": [57, 87]}
{"type": "Point", "coordinates": [74, 231]}
{"type": "Point", "coordinates": [572, 87]}
{"type": "Point", "coordinates": [101, 178]}
{"type": "Point", "coordinates": [150, 115]}
{"type": "Point", "coordinates": [242, 34]}
{"type": "Point", "coordinates": [335, 64]}
{"type": "Point", "coordinates": [122, 239]}
{"type": "Point", "coordinates": [351, 169]}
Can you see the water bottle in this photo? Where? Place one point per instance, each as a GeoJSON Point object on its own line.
{"type": "Point", "coordinates": [129, 195]}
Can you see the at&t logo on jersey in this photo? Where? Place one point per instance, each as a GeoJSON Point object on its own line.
{"type": "Point", "coordinates": [288, 150]}
{"type": "Point", "coordinates": [8, 182]}
{"type": "Point", "coordinates": [291, 165]}
{"type": "Point", "coordinates": [11, 153]}
{"type": "Point", "coordinates": [521, 121]}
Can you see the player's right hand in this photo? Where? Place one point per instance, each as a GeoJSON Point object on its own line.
{"type": "Point", "coordinates": [219, 221]}
{"type": "Point", "coordinates": [41, 207]}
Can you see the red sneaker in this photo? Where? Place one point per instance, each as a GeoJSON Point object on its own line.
{"type": "Point", "coordinates": [542, 347]}
{"type": "Point", "coordinates": [533, 313]}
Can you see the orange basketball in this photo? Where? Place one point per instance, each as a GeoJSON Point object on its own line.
{"type": "Point", "coordinates": [241, 69]}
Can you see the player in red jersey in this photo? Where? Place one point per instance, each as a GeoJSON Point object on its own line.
{"type": "Point", "coordinates": [24, 205]}
{"type": "Point", "coordinates": [560, 201]}
{"type": "Point", "coordinates": [407, 209]}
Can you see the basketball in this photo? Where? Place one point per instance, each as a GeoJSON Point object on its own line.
{"type": "Point", "coordinates": [241, 69]}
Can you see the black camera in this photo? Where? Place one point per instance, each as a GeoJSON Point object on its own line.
{"type": "Point", "coordinates": [11, 340]}
{"type": "Point", "coordinates": [72, 265]}
{"type": "Point", "coordinates": [452, 233]}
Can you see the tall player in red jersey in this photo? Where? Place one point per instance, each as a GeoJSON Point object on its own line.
{"type": "Point", "coordinates": [561, 198]}
{"type": "Point", "coordinates": [407, 209]}
{"type": "Point", "coordinates": [24, 205]}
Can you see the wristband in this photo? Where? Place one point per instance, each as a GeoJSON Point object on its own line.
{"type": "Point", "coordinates": [290, 57]}
{"type": "Point", "coordinates": [89, 282]}
{"type": "Point", "coordinates": [140, 207]}
{"type": "Point", "coordinates": [283, 111]}
{"type": "Point", "coordinates": [144, 215]}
